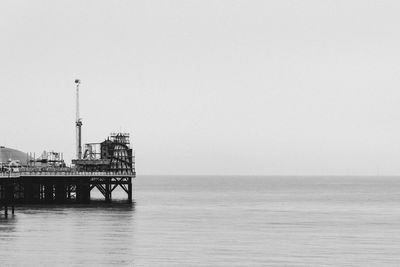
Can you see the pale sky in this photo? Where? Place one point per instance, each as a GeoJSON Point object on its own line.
{"type": "Point", "coordinates": [208, 87]}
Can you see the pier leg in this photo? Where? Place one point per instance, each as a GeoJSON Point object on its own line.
{"type": "Point", "coordinates": [86, 192]}
{"type": "Point", "coordinates": [69, 189]}
{"type": "Point", "coordinates": [36, 192]}
{"type": "Point", "coordinates": [28, 192]}
{"type": "Point", "coordinates": [83, 191]}
{"type": "Point", "coordinates": [130, 190]}
{"type": "Point", "coordinates": [49, 192]}
{"type": "Point", "coordinates": [108, 190]}
{"type": "Point", "coordinates": [61, 192]}
{"type": "Point", "coordinates": [12, 209]}
{"type": "Point", "coordinates": [9, 197]}
{"type": "Point", "coordinates": [31, 191]}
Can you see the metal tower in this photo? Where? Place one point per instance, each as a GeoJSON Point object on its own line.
{"type": "Point", "coordinates": [78, 124]}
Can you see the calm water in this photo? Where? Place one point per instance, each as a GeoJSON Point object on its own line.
{"type": "Point", "coordinates": [217, 221]}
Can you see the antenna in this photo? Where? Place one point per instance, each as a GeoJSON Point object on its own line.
{"type": "Point", "coordinates": [78, 123]}
{"type": "Point", "coordinates": [77, 82]}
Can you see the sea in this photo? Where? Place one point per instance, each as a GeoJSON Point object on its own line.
{"type": "Point", "coordinates": [216, 221]}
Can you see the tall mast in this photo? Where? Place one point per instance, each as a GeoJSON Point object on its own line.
{"type": "Point", "coordinates": [78, 124]}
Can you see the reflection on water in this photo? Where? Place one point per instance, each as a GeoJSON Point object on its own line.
{"type": "Point", "coordinates": [95, 234]}
{"type": "Point", "coordinates": [216, 221]}
{"type": "Point", "coordinates": [7, 224]}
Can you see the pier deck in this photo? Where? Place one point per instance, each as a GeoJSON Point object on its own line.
{"type": "Point", "coordinates": [61, 186]}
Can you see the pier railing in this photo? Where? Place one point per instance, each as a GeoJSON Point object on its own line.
{"type": "Point", "coordinates": [65, 174]}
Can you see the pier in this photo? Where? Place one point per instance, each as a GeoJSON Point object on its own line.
{"type": "Point", "coordinates": [27, 179]}
{"type": "Point", "coordinates": [61, 187]}
{"type": "Point", "coordinates": [105, 166]}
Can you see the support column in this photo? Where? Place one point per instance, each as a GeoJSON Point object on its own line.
{"type": "Point", "coordinates": [36, 192]}
{"type": "Point", "coordinates": [9, 194]}
{"type": "Point", "coordinates": [108, 189]}
{"type": "Point", "coordinates": [60, 192]}
{"type": "Point", "coordinates": [69, 192]}
{"type": "Point", "coordinates": [130, 190]}
{"type": "Point", "coordinates": [31, 191]}
{"type": "Point", "coordinates": [83, 190]}
{"type": "Point", "coordinates": [48, 192]}
{"type": "Point", "coordinates": [28, 192]}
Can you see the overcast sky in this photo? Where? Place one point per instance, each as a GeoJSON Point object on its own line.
{"type": "Point", "coordinates": [208, 87]}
